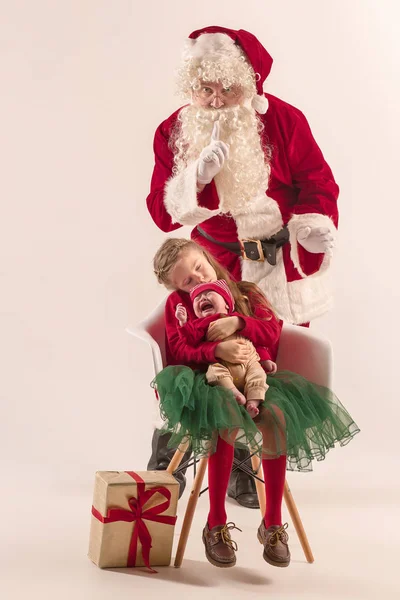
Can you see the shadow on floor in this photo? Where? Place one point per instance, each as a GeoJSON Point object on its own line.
{"type": "Point", "coordinates": [200, 574]}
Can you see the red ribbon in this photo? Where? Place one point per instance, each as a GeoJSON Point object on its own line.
{"type": "Point", "coordinates": [136, 514]}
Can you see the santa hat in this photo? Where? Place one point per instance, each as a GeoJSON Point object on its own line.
{"type": "Point", "coordinates": [256, 55]}
{"type": "Point", "coordinates": [220, 286]}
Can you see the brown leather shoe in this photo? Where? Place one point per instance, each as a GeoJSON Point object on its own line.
{"type": "Point", "coordinates": [275, 542]}
{"type": "Point", "coordinates": [220, 548]}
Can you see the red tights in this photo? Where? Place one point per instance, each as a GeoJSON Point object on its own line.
{"type": "Point", "coordinates": [219, 470]}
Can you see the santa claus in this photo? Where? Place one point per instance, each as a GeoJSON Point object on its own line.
{"type": "Point", "coordinates": [243, 169]}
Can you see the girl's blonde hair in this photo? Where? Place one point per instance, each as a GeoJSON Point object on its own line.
{"type": "Point", "coordinates": [172, 249]}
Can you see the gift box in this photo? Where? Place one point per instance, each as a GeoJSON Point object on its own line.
{"type": "Point", "coordinates": [133, 518]}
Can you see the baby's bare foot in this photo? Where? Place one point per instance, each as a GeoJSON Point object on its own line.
{"type": "Point", "coordinates": [240, 399]}
{"type": "Point", "coordinates": [252, 407]}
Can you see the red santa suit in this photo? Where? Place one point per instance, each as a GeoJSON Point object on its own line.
{"type": "Point", "coordinates": [301, 193]}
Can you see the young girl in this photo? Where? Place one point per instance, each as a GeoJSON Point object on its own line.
{"type": "Point", "coordinates": [298, 421]}
{"type": "Point", "coordinates": [211, 300]}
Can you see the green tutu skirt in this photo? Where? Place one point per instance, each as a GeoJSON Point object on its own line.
{"type": "Point", "coordinates": [298, 419]}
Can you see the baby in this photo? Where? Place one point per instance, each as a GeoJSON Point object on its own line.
{"type": "Point", "coordinates": [211, 301]}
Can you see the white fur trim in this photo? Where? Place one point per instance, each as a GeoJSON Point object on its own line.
{"type": "Point", "coordinates": [218, 45]}
{"type": "Point", "coordinates": [260, 104]}
{"type": "Point", "coordinates": [308, 220]}
{"type": "Point", "coordinates": [271, 280]}
{"type": "Point", "coordinates": [261, 220]}
{"type": "Point", "coordinates": [180, 199]}
{"type": "Point", "coordinates": [310, 298]}
{"type": "Point", "coordinates": [296, 301]}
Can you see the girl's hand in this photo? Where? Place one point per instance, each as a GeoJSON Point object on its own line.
{"type": "Point", "coordinates": [233, 351]}
{"type": "Point", "coordinates": [223, 328]}
{"type": "Point", "coordinates": [181, 314]}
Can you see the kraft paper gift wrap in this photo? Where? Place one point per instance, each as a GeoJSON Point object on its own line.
{"type": "Point", "coordinates": [133, 518]}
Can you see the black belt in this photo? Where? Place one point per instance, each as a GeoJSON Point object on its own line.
{"type": "Point", "coordinates": [249, 249]}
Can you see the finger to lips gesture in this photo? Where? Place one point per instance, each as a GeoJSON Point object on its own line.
{"type": "Point", "coordinates": [212, 157]}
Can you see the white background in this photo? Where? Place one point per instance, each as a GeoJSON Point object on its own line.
{"type": "Point", "coordinates": [83, 87]}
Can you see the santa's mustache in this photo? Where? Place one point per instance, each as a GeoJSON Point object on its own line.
{"type": "Point", "coordinates": [231, 119]}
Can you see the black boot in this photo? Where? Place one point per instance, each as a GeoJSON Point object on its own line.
{"type": "Point", "coordinates": [242, 487]}
{"type": "Point", "coordinates": [161, 456]}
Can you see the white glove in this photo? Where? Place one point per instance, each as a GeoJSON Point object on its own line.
{"type": "Point", "coordinates": [212, 157]}
{"type": "Point", "coordinates": [316, 239]}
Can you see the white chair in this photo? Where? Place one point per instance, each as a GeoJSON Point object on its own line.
{"type": "Point", "coordinates": [300, 351]}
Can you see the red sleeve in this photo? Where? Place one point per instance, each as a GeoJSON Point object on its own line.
{"type": "Point", "coordinates": [161, 173]}
{"type": "Point", "coordinates": [179, 350]}
{"type": "Point", "coordinates": [263, 353]}
{"type": "Point", "coordinates": [264, 330]}
{"type": "Point", "coordinates": [192, 332]}
{"type": "Point", "coordinates": [311, 175]}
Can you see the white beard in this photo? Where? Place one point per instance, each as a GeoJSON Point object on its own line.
{"type": "Point", "coordinates": [244, 176]}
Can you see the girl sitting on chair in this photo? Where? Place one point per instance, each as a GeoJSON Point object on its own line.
{"type": "Point", "coordinates": [297, 422]}
{"type": "Point", "coordinates": [211, 301]}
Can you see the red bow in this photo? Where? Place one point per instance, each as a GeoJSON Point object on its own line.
{"type": "Point", "coordinates": [136, 515]}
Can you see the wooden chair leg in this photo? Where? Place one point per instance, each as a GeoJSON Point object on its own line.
{"type": "Point", "coordinates": [177, 458]}
{"type": "Point", "coordinates": [256, 466]}
{"type": "Point", "coordinates": [190, 509]}
{"type": "Point", "coordinates": [298, 525]}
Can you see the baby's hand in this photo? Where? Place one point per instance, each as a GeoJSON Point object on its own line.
{"type": "Point", "coordinates": [269, 366]}
{"type": "Point", "coordinates": [181, 314]}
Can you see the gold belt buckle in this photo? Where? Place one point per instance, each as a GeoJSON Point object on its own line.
{"type": "Point", "coordinates": [259, 248]}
